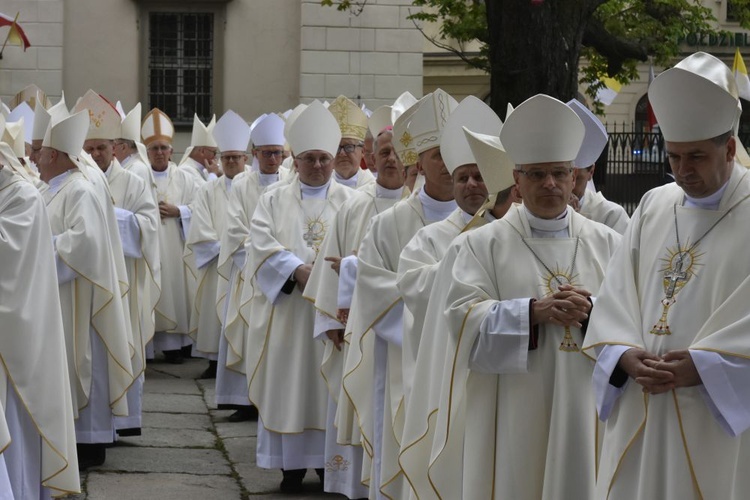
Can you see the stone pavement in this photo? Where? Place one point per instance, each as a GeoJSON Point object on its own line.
{"type": "Point", "coordinates": [188, 450]}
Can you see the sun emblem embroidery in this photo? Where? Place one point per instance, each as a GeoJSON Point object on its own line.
{"type": "Point", "coordinates": [551, 283]}
{"type": "Point", "coordinates": [315, 232]}
{"type": "Point", "coordinates": [679, 266]}
{"type": "Point", "coordinates": [405, 139]}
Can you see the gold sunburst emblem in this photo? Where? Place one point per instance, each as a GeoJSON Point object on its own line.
{"type": "Point", "coordinates": [405, 139]}
{"type": "Point", "coordinates": [679, 266]}
{"type": "Point", "coordinates": [552, 283]}
{"type": "Point", "coordinates": [315, 232]}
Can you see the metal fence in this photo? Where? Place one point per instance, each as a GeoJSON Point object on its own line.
{"type": "Point", "coordinates": [633, 163]}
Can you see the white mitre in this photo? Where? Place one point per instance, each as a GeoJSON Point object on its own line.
{"type": "Point", "coordinates": [203, 134]}
{"type": "Point", "coordinates": [43, 116]}
{"type": "Point", "coordinates": [508, 110]}
{"type": "Point", "coordinates": [595, 138]}
{"type": "Point", "coordinates": [403, 142]}
{"type": "Point", "coordinates": [68, 133]}
{"type": "Point", "coordinates": [696, 100]}
{"type": "Point", "coordinates": [293, 116]}
{"type": "Point", "coordinates": [379, 120]}
{"type": "Point", "coordinates": [13, 136]}
{"type": "Point", "coordinates": [494, 163]}
{"type": "Point", "coordinates": [130, 127]}
{"type": "Point", "coordinates": [104, 120]}
{"type": "Point", "coordinates": [31, 94]}
{"type": "Point", "coordinates": [232, 133]}
{"type": "Point", "coordinates": [401, 104]}
{"type": "Point", "coordinates": [427, 122]}
{"type": "Point", "coordinates": [269, 131]}
{"type": "Point", "coordinates": [156, 126]}
{"type": "Point", "coordinates": [350, 117]}
{"type": "Point", "coordinates": [24, 111]}
{"type": "Point", "coordinates": [541, 130]}
{"type": "Point", "coordinates": [315, 128]}
{"type": "Point", "coordinates": [476, 116]}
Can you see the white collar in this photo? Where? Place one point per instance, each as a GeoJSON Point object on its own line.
{"type": "Point", "coordinates": [315, 192]}
{"type": "Point", "coordinates": [393, 194]}
{"type": "Point", "coordinates": [229, 183]}
{"type": "Point", "coordinates": [466, 216]}
{"type": "Point", "coordinates": [710, 202]}
{"type": "Point", "coordinates": [548, 225]}
{"type": "Point", "coordinates": [160, 174]}
{"type": "Point", "coordinates": [435, 210]}
{"type": "Point", "coordinates": [268, 179]}
{"type": "Point", "coordinates": [350, 182]}
{"type": "Point", "coordinates": [56, 182]}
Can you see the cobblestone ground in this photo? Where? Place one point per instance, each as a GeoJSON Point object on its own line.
{"type": "Point", "coordinates": [188, 449]}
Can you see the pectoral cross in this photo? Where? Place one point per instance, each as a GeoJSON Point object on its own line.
{"type": "Point", "coordinates": [309, 237]}
{"type": "Point", "coordinates": [675, 275]}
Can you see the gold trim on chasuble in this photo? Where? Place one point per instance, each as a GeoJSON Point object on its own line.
{"type": "Point", "coordinates": [680, 264]}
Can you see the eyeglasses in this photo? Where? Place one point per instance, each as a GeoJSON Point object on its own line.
{"type": "Point", "coordinates": [159, 148]}
{"type": "Point", "coordinates": [349, 148]}
{"type": "Point", "coordinates": [231, 158]}
{"type": "Point", "coordinates": [209, 151]}
{"type": "Point", "coordinates": [269, 154]}
{"type": "Point", "coordinates": [312, 160]}
{"type": "Point", "coordinates": [539, 175]}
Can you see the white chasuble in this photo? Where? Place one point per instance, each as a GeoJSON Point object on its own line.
{"type": "Point", "coordinates": [89, 301]}
{"type": "Point", "coordinates": [32, 346]}
{"type": "Point", "coordinates": [359, 180]}
{"type": "Point", "coordinates": [281, 357]}
{"type": "Point", "coordinates": [373, 365]}
{"type": "Point", "coordinates": [177, 281]}
{"type": "Point", "coordinates": [661, 296]}
{"type": "Point", "coordinates": [139, 222]}
{"type": "Point", "coordinates": [135, 164]}
{"type": "Point", "coordinates": [195, 170]}
{"type": "Point", "coordinates": [433, 337]}
{"type": "Point", "coordinates": [597, 208]}
{"type": "Point", "coordinates": [530, 432]}
{"type": "Point", "coordinates": [202, 247]}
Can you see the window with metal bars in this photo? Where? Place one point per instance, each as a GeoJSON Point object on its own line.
{"type": "Point", "coordinates": [180, 68]}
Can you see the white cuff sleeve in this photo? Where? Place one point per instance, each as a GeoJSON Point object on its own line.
{"type": "Point", "coordinates": [275, 271]}
{"type": "Point", "coordinates": [502, 345]}
{"type": "Point", "coordinates": [130, 233]}
{"type": "Point", "coordinates": [324, 323]}
{"type": "Point", "coordinates": [211, 176]}
{"type": "Point", "coordinates": [391, 326]}
{"type": "Point", "coordinates": [205, 252]}
{"type": "Point", "coordinates": [606, 394]}
{"type": "Point", "coordinates": [347, 279]}
{"type": "Point", "coordinates": [725, 388]}
{"type": "Point", "coordinates": [185, 215]}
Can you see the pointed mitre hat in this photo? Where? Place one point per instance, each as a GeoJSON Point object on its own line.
{"type": "Point", "coordinates": [379, 120]}
{"type": "Point", "coordinates": [43, 116]}
{"type": "Point", "coordinates": [476, 116]}
{"type": "Point", "coordinates": [541, 130]}
{"type": "Point", "coordinates": [350, 117]}
{"type": "Point", "coordinates": [494, 163]}
{"type": "Point", "coordinates": [232, 133]}
{"type": "Point", "coordinates": [427, 122]}
{"type": "Point", "coordinates": [293, 116]}
{"type": "Point", "coordinates": [696, 100]}
{"type": "Point", "coordinates": [130, 127]}
{"type": "Point", "coordinates": [157, 126]}
{"type": "Point", "coordinates": [595, 138]}
{"type": "Point", "coordinates": [24, 111]}
{"type": "Point", "coordinates": [315, 128]}
{"type": "Point", "coordinates": [269, 131]}
{"type": "Point", "coordinates": [103, 116]}
{"type": "Point", "coordinates": [13, 136]}
{"type": "Point", "coordinates": [403, 142]}
{"type": "Point", "coordinates": [203, 134]}
{"type": "Point", "coordinates": [31, 94]}
{"type": "Point", "coordinates": [67, 132]}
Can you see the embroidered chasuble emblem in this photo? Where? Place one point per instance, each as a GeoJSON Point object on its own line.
{"type": "Point", "coordinates": [679, 266]}
{"type": "Point", "coordinates": [337, 463]}
{"type": "Point", "coordinates": [315, 232]}
{"type": "Point", "coordinates": [552, 280]}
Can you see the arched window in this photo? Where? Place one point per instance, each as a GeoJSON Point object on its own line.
{"type": "Point", "coordinates": [641, 122]}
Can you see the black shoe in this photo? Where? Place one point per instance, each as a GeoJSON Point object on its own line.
{"type": "Point", "coordinates": [187, 351]}
{"type": "Point", "coordinates": [243, 414]}
{"type": "Point", "coordinates": [91, 455]}
{"type": "Point", "coordinates": [174, 357]}
{"type": "Point", "coordinates": [322, 476]}
{"type": "Point", "coordinates": [133, 431]}
{"type": "Point", "coordinates": [292, 482]}
{"type": "Point", "coordinates": [209, 372]}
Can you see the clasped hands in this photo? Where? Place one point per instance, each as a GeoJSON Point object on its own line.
{"type": "Point", "coordinates": [659, 374]}
{"type": "Point", "coordinates": [569, 306]}
{"type": "Point", "coordinates": [167, 210]}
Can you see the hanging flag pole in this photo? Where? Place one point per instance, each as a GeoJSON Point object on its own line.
{"type": "Point", "coordinates": [16, 35]}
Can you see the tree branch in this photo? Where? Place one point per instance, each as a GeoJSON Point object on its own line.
{"type": "Point", "coordinates": [473, 62]}
{"type": "Point", "coordinates": [615, 49]}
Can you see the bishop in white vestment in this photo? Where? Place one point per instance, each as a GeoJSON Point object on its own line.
{"type": "Point", "coordinates": [670, 329]}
